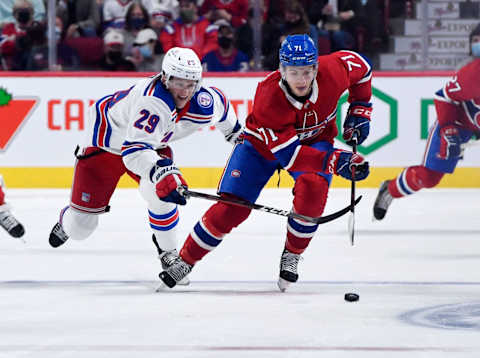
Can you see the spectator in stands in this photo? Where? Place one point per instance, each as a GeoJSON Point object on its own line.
{"type": "Point", "coordinates": [23, 13]}
{"type": "Point", "coordinates": [144, 56]}
{"type": "Point", "coordinates": [81, 17]}
{"type": "Point", "coordinates": [368, 28]}
{"type": "Point", "coordinates": [113, 59]}
{"type": "Point", "coordinates": [168, 7]}
{"type": "Point", "coordinates": [136, 19]}
{"type": "Point", "coordinates": [233, 11]}
{"type": "Point", "coordinates": [295, 21]}
{"type": "Point", "coordinates": [7, 16]}
{"type": "Point", "coordinates": [34, 56]}
{"type": "Point", "coordinates": [160, 16]}
{"type": "Point", "coordinates": [337, 28]}
{"type": "Point", "coordinates": [244, 36]}
{"type": "Point", "coordinates": [191, 31]}
{"type": "Point", "coordinates": [227, 58]}
{"type": "Point", "coordinates": [114, 12]}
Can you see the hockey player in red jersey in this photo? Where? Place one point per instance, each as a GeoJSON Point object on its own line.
{"type": "Point", "coordinates": [129, 132]}
{"type": "Point", "coordinates": [292, 126]}
{"type": "Point", "coordinates": [458, 119]}
{"type": "Point", "coordinates": [7, 220]}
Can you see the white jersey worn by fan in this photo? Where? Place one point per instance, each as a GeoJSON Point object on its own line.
{"type": "Point", "coordinates": [136, 122]}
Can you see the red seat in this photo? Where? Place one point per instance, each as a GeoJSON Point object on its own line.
{"type": "Point", "coordinates": [89, 49]}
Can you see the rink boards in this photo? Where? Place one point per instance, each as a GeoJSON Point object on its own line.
{"type": "Point", "coordinates": [45, 119]}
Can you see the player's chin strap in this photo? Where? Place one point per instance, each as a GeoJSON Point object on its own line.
{"type": "Point", "coordinates": [320, 220]}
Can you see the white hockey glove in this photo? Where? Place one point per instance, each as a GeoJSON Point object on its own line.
{"type": "Point", "coordinates": [236, 136]}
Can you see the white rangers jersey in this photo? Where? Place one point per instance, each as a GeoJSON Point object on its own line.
{"type": "Point", "coordinates": [135, 122]}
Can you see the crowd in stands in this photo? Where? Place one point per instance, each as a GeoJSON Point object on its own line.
{"type": "Point", "coordinates": [133, 35]}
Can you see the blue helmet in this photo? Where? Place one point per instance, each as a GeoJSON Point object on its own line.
{"type": "Point", "coordinates": [298, 50]}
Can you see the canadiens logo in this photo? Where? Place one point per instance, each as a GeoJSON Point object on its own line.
{"type": "Point", "coordinates": [236, 173]}
{"type": "Point", "coordinates": [204, 99]}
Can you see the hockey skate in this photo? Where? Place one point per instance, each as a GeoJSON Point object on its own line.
{"type": "Point", "coordinates": [176, 272]}
{"type": "Point", "coordinates": [167, 259]}
{"type": "Point", "coordinates": [288, 269]}
{"type": "Point", "coordinates": [57, 236]}
{"type": "Point", "coordinates": [10, 223]}
{"type": "Point", "coordinates": [382, 202]}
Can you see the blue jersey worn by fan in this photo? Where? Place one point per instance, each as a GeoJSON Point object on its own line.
{"type": "Point", "coordinates": [129, 132]}
{"type": "Point", "coordinates": [292, 126]}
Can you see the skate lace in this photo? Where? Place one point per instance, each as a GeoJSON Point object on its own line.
{"type": "Point", "coordinates": [8, 221]}
{"type": "Point", "coordinates": [168, 258]}
{"type": "Point", "coordinates": [179, 269]}
{"type": "Point", "coordinates": [289, 261]}
{"type": "Point", "coordinates": [384, 199]}
{"type": "Point", "coordinates": [59, 232]}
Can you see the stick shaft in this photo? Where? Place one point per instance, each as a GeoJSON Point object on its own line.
{"type": "Point", "coordinates": [320, 220]}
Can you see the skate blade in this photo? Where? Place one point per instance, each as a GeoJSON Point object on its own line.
{"type": "Point", "coordinates": [162, 288]}
{"type": "Point", "coordinates": [184, 282]}
{"type": "Point", "coordinates": [283, 284]}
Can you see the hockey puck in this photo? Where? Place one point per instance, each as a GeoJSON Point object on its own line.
{"type": "Point", "coordinates": [351, 297]}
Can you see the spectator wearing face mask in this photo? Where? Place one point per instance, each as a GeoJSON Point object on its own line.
{"type": "Point", "coordinates": [144, 56]}
{"type": "Point", "coordinates": [23, 13]}
{"type": "Point", "coordinates": [136, 19]}
{"type": "Point", "coordinates": [34, 54]}
{"type": "Point", "coordinates": [227, 58]}
{"type": "Point", "coordinates": [6, 13]}
{"type": "Point", "coordinates": [113, 59]}
{"type": "Point", "coordinates": [190, 30]}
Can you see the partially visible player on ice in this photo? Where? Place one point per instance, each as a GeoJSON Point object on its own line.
{"type": "Point", "coordinates": [129, 132]}
{"type": "Point", "coordinates": [458, 119]}
{"type": "Point", "coordinates": [292, 126]}
{"type": "Point", "coordinates": [7, 220]}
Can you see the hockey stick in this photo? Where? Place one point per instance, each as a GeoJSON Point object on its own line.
{"type": "Point", "coordinates": [351, 219]}
{"type": "Point", "coordinates": [321, 220]}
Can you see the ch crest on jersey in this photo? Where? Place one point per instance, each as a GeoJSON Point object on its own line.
{"type": "Point", "coordinates": [308, 130]}
{"type": "Point", "coordinates": [204, 99]}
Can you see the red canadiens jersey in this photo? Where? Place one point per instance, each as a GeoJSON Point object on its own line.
{"type": "Point", "coordinates": [279, 124]}
{"type": "Point", "coordinates": [458, 102]}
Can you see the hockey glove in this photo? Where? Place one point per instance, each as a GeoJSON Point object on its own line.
{"type": "Point", "coordinates": [167, 178]}
{"type": "Point", "coordinates": [450, 143]}
{"type": "Point", "coordinates": [357, 120]}
{"type": "Point", "coordinates": [236, 136]}
{"type": "Point", "coordinates": [340, 162]}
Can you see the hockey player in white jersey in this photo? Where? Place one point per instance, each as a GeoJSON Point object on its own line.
{"type": "Point", "coordinates": [129, 132]}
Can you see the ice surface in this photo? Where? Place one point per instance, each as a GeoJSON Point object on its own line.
{"type": "Point", "coordinates": [417, 274]}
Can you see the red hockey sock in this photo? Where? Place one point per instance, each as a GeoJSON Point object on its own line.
{"type": "Point", "coordinates": [2, 196]}
{"type": "Point", "coordinates": [191, 252]}
{"type": "Point", "coordinates": [310, 192]}
{"type": "Point", "coordinates": [208, 233]}
{"type": "Point", "coordinates": [412, 179]}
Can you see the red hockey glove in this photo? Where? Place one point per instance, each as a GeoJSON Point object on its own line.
{"type": "Point", "coordinates": [168, 178]}
{"type": "Point", "coordinates": [450, 143]}
{"type": "Point", "coordinates": [357, 120]}
{"type": "Point", "coordinates": [341, 162]}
